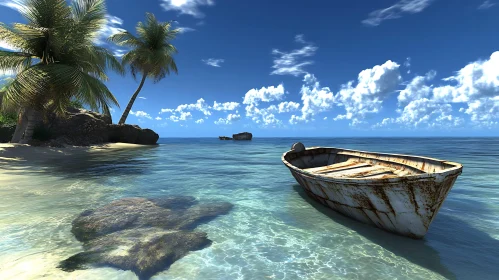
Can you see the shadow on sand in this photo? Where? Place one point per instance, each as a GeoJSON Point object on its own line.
{"type": "Point", "coordinates": [84, 163]}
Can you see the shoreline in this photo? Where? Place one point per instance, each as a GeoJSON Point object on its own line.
{"type": "Point", "coordinates": [10, 153]}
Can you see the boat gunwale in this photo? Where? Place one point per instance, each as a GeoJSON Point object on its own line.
{"type": "Point", "coordinates": [456, 170]}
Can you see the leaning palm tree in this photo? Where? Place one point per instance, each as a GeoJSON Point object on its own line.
{"type": "Point", "coordinates": [151, 53]}
{"type": "Point", "coordinates": [55, 60]}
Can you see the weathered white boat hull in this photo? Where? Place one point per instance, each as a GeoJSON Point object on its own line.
{"type": "Point", "coordinates": [404, 205]}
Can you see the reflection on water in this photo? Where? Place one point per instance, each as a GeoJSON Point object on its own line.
{"type": "Point", "coordinates": [274, 231]}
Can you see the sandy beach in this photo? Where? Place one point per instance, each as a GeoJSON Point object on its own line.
{"type": "Point", "coordinates": [22, 152]}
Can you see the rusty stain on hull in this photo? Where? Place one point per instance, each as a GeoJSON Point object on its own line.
{"type": "Point", "coordinates": [398, 193]}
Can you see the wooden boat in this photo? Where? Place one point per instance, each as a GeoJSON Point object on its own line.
{"type": "Point", "coordinates": [398, 193]}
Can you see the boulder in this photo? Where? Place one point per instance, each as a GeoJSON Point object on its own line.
{"type": "Point", "coordinates": [242, 136]}
{"type": "Point", "coordinates": [6, 133]}
{"type": "Point", "coordinates": [140, 234]}
{"type": "Point", "coordinates": [82, 128]}
{"type": "Point", "coordinates": [145, 251]}
{"type": "Point", "coordinates": [79, 127]}
{"type": "Point", "coordinates": [133, 134]}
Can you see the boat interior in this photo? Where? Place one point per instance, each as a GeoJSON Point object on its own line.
{"type": "Point", "coordinates": [338, 163]}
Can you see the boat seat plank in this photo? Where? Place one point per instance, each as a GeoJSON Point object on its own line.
{"type": "Point", "coordinates": [362, 172]}
{"type": "Point", "coordinates": [336, 167]}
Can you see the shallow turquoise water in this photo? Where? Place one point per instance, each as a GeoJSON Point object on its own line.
{"type": "Point", "coordinates": [274, 230]}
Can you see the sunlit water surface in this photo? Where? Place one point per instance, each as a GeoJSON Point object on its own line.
{"type": "Point", "coordinates": [274, 230]}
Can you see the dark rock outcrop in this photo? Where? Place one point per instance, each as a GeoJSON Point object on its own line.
{"type": "Point", "coordinates": [140, 234]}
{"type": "Point", "coordinates": [82, 128]}
{"type": "Point", "coordinates": [224, 138]}
{"type": "Point", "coordinates": [242, 136]}
{"type": "Point", "coordinates": [6, 133]}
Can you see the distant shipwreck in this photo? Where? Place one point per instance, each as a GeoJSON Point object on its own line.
{"type": "Point", "coordinates": [238, 136]}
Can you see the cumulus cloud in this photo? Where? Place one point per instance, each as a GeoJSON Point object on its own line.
{"type": "Point", "coordinates": [158, 118]}
{"type": "Point", "coordinates": [476, 84]}
{"type": "Point", "coordinates": [227, 106]}
{"type": "Point", "coordinates": [288, 106]}
{"type": "Point", "coordinates": [417, 88]}
{"type": "Point", "coordinates": [486, 5]}
{"type": "Point", "coordinates": [293, 62]}
{"type": "Point", "coordinates": [183, 117]}
{"type": "Point", "coordinates": [396, 11]}
{"type": "Point", "coordinates": [230, 118]}
{"type": "Point", "coordinates": [424, 113]}
{"type": "Point", "coordinates": [264, 117]}
{"type": "Point", "coordinates": [141, 114]}
{"type": "Point", "coordinates": [187, 7]}
{"type": "Point", "coordinates": [315, 99]}
{"type": "Point", "coordinates": [366, 97]}
{"type": "Point", "coordinates": [215, 62]}
{"type": "Point", "coordinates": [200, 121]}
{"type": "Point", "coordinates": [264, 94]}
{"type": "Point", "coordinates": [141, 97]}
{"type": "Point", "coordinates": [200, 106]}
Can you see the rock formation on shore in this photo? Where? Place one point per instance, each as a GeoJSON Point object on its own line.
{"type": "Point", "coordinates": [143, 235]}
{"type": "Point", "coordinates": [82, 128]}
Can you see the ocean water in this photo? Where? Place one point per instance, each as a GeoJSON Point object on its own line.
{"type": "Point", "coordinates": [274, 230]}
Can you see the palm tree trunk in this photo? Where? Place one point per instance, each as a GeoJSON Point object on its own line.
{"type": "Point", "coordinates": [30, 127]}
{"type": "Point", "coordinates": [22, 121]}
{"type": "Point", "coordinates": [132, 100]}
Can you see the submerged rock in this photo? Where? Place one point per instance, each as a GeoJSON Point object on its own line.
{"type": "Point", "coordinates": [145, 251]}
{"type": "Point", "coordinates": [140, 234]}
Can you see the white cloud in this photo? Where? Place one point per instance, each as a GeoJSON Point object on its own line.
{"type": "Point", "coordinates": [486, 5]}
{"type": "Point", "coordinates": [264, 117]}
{"type": "Point", "coordinates": [227, 106]}
{"type": "Point", "coordinates": [112, 26]}
{"type": "Point", "coordinates": [200, 121]}
{"type": "Point", "coordinates": [315, 99]}
{"type": "Point", "coordinates": [182, 29]}
{"type": "Point", "coordinates": [288, 106]}
{"type": "Point", "coordinates": [417, 88]}
{"type": "Point", "coordinates": [230, 118]}
{"type": "Point", "coordinates": [264, 94]}
{"type": "Point", "coordinates": [158, 118]}
{"type": "Point", "coordinates": [424, 113]}
{"type": "Point", "coordinates": [119, 52]}
{"type": "Point", "coordinates": [373, 86]}
{"type": "Point", "coordinates": [141, 114]}
{"type": "Point", "coordinates": [293, 63]}
{"type": "Point", "coordinates": [325, 118]}
{"type": "Point", "coordinates": [183, 117]}
{"type": "Point", "coordinates": [200, 105]}
{"type": "Point", "coordinates": [396, 11]}
{"type": "Point", "coordinates": [300, 38]}
{"type": "Point", "coordinates": [13, 4]}
{"type": "Point", "coordinates": [476, 84]}
{"type": "Point", "coordinates": [187, 7]}
{"type": "Point", "coordinates": [141, 97]}
{"type": "Point", "coordinates": [215, 62]}
{"type": "Point", "coordinates": [167, 111]}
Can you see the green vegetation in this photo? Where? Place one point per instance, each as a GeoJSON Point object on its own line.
{"type": "Point", "coordinates": [57, 65]}
{"type": "Point", "coordinates": [56, 60]}
{"type": "Point", "coordinates": [151, 53]}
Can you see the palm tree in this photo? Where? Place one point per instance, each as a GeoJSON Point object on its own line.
{"type": "Point", "coordinates": [56, 60]}
{"type": "Point", "coordinates": [151, 53]}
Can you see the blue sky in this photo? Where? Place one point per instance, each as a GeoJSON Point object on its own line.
{"type": "Point", "coordinates": [317, 68]}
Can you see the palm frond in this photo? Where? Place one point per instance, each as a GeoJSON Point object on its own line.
{"type": "Point", "coordinates": [14, 61]}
